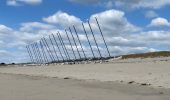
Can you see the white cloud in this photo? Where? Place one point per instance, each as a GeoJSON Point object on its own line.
{"type": "Point", "coordinates": [32, 26]}
{"type": "Point", "coordinates": [3, 53]}
{"type": "Point", "coordinates": [156, 4]}
{"type": "Point", "coordinates": [153, 36]}
{"type": "Point", "coordinates": [121, 36]}
{"type": "Point", "coordinates": [85, 1]}
{"type": "Point", "coordinates": [159, 22]}
{"type": "Point", "coordinates": [21, 2]}
{"type": "Point", "coordinates": [114, 22]}
{"type": "Point", "coordinates": [4, 29]}
{"type": "Point", "coordinates": [12, 3]}
{"type": "Point", "coordinates": [109, 4]}
{"type": "Point", "coordinates": [62, 18]}
{"type": "Point", "coordinates": [151, 14]}
{"type": "Point", "coordinates": [133, 4]}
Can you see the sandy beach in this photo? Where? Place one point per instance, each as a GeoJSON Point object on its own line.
{"type": "Point", "coordinates": [155, 73]}
{"type": "Point", "coordinates": [21, 87]}
{"type": "Point", "coordinates": [122, 79]}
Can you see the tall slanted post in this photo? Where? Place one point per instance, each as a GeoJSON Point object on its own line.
{"type": "Point", "coordinates": [62, 46]}
{"type": "Point", "coordinates": [30, 55]}
{"type": "Point", "coordinates": [39, 53]}
{"type": "Point", "coordinates": [44, 43]}
{"type": "Point", "coordinates": [79, 42]}
{"type": "Point", "coordinates": [35, 53]}
{"type": "Point", "coordinates": [68, 56]}
{"type": "Point", "coordinates": [102, 36]}
{"type": "Point", "coordinates": [94, 39]}
{"type": "Point", "coordinates": [54, 48]}
{"type": "Point", "coordinates": [70, 45]}
{"type": "Point", "coordinates": [58, 47]}
{"type": "Point", "coordinates": [88, 40]}
{"type": "Point", "coordinates": [75, 43]}
{"type": "Point", "coordinates": [43, 52]}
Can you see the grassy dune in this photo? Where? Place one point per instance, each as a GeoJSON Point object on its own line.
{"type": "Point", "coordinates": [148, 55]}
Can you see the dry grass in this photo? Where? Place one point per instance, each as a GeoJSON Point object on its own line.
{"type": "Point", "coordinates": [148, 55]}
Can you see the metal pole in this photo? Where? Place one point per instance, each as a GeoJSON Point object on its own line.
{"type": "Point", "coordinates": [54, 48]}
{"type": "Point", "coordinates": [64, 45]}
{"type": "Point", "coordinates": [70, 44]}
{"type": "Point", "coordinates": [103, 37]}
{"type": "Point", "coordinates": [43, 41]}
{"type": "Point", "coordinates": [88, 40]}
{"type": "Point", "coordinates": [43, 52]}
{"type": "Point", "coordinates": [58, 47]}
{"type": "Point", "coordinates": [79, 41]}
{"type": "Point", "coordinates": [35, 53]}
{"type": "Point", "coordinates": [29, 54]}
{"type": "Point", "coordinates": [94, 39]}
{"type": "Point", "coordinates": [75, 42]}
{"type": "Point", "coordinates": [49, 49]}
{"type": "Point", "coordinates": [38, 50]}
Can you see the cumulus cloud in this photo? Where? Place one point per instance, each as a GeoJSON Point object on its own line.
{"type": "Point", "coordinates": [21, 2]}
{"type": "Point", "coordinates": [121, 36]}
{"type": "Point", "coordinates": [132, 4]}
{"type": "Point", "coordinates": [115, 22]}
{"type": "Point", "coordinates": [151, 14]}
{"type": "Point", "coordinates": [159, 22]}
{"type": "Point", "coordinates": [85, 1]}
{"type": "Point", "coordinates": [32, 26]}
{"type": "Point", "coordinates": [112, 21]}
{"type": "Point", "coordinates": [62, 18]}
{"type": "Point", "coordinates": [142, 3]}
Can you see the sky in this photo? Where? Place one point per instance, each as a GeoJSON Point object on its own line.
{"type": "Point", "coordinates": [129, 26]}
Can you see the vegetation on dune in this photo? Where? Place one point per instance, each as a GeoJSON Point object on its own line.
{"type": "Point", "coordinates": [2, 64]}
{"type": "Point", "coordinates": [148, 55]}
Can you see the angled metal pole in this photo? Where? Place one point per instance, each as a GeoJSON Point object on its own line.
{"type": "Point", "coordinates": [53, 48]}
{"type": "Point", "coordinates": [47, 49]}
{"type": "Point", "coordinates": [58, 47]}
{"type": "Point", "coordinates": [43, 52]}
{"type": "Point", "coordinates": [102, 36]}
{"type": "Point", "coordinates": [79, 42]}
{"type": "Point", "coordinates": [70, 44]}
{"type": "Point", "coordinates": [35, 53]}
{"type": "Point", "coordinates": [88, 40]}
{"type": "Point", "coordinates": [39, 53]}
{"type": "Point", "coordinates": [75, 42]}
{"type": "Point", "coordinates": [29, 54]}
{"type": "Point", "coordinates": [62, 45]}
{"type": "Point", "coordinates": [94, 39]}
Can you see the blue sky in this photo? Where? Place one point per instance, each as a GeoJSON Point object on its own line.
{"type": "Point", "coordinates": [129, 26]}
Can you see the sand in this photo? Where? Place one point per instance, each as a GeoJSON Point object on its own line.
{"type": "Point", "coordinates": [22, 87]}
{"type": "Point", "coordinates": [130, 79]}
{"type": "Point", "coordinates": [155, 73]}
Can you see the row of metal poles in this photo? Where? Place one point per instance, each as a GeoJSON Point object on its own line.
{"type": "Point", "coordinates": [42, 52]}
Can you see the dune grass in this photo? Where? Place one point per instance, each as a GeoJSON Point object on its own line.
{"type": "Point", "coordinates": [148, 55]}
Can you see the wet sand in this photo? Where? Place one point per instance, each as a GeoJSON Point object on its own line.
{"type": "Point", "coordinates": [24, 87]}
